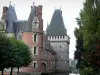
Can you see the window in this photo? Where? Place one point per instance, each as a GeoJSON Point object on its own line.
{"type": "Point", "coordinates": [34, 50]}
{"type": "Point", "coordinates": [55, 36]}
{"type": "Point", "coordinates": [34, 64]}
{"type": "Point", "coordinates": [35, 37]}
{"type": "Point", "coordinates": [58, 37]}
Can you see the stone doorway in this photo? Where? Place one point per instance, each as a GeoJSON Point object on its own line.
{"type": "Point", "coordinates": [43, 65]}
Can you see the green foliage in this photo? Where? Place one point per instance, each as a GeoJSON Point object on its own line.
{"type": "Point", "coordinates": [22, 52]}
{"type": "Point", "coordinates": [87, 71]}
{"type": "Point", "coordinates": [13, 53]}
{"type": "Point", "coordinates": [4, 51]}
{"type": "Point", "coordinates": [88, 38]}
{"type": "Point", "coordinates": [90, 19]}
{"type": "Point", "coordinates": [79, 43]}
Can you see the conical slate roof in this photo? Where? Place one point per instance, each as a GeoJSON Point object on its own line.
{"type": "Point", "coordinates": [10, 17]}
{"type": "Point", "coordinates": [56, 27]}
{"type": "Point", "coordinates": [31, 17]}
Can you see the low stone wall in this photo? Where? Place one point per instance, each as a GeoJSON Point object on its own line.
{"type": "Point", "coordinates": [57, 73]}
{"type": "Point", "coordinates": [54, 73]}
{"type": "Point", "coordinates": [23, 73]}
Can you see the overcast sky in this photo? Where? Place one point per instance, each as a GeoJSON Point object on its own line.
{"type": "Point", "coordinates": [70, 10]}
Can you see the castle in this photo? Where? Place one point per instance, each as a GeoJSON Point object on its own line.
{"type": "Point", "coordinates": [50, 49]}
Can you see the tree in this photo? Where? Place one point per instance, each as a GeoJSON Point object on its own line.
{"type": "Point", "coordinates": [21, 53]}
{"type": "Point", "coordinates": [4, 52]}
{"type": "Point", "coordinates": [90, 21]}
{"type": "Point", "coordinates": [24, 54]}
{"type": "Point", "coordinates": [78, 54]}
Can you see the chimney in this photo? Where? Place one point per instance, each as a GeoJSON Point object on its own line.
{"type": "Point", "coordinates": [5, 8]}
{"type": "Point", "coordinates": [39, 11]}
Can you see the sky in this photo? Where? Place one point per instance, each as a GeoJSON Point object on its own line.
{"type": "Point", "coordinates": [70, 11]}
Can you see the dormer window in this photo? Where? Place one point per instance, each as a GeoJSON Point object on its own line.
{"type": "Point", "coordinates": [19, 34]}
{"type": "Point", "coordinates": [35, 23]}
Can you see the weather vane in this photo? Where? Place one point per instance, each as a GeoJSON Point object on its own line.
{"type": "Point", "coordinates": [33, 3]}
{"type": "Point", "coordinates": [14, 5]}
{"type": "Point", "coordinates": [10, 3]}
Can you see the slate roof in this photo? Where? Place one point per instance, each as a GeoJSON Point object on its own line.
{"type": "Point", "coordinates": [13, 24]}
{"type": "Point", "coordinates": [20, 24]}
{"type": "Point", "coordinates": [30, 19]}
{"type": "Point", "coordinates": [10, 17]}
{"type": "Point", "coordinates": [57, 27]}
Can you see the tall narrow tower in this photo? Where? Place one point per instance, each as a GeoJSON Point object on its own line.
{"type": "Point", "coordinates": [33, 37]}
{"type": "Point", "coordinates": [59, 40]}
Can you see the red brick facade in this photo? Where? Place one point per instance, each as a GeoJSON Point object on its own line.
{"type": "Point", "coordinates": [45, 58]}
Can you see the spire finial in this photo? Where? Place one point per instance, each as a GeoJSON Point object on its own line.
{"type": "Point", "coordinates": [10, 3]}
{"type": "Point", "coordinates": [33, 3]}
{"type": "Point", "coordinates": [14, 5]}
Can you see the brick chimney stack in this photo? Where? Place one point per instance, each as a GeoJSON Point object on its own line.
{"type": "Point", "coordinates": [39, 15]}
{"type": "Point", "coordinates": [39, 11]}
{"type": "Point", "coordinates": [5, 8]}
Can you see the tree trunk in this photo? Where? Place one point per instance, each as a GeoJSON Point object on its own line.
{"type": "Point", "coordinates": [11, 70]}
{"type": "Point", "coordinates": [18, 71]}
{"type": "Point", "coordinates": [2, 70]}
